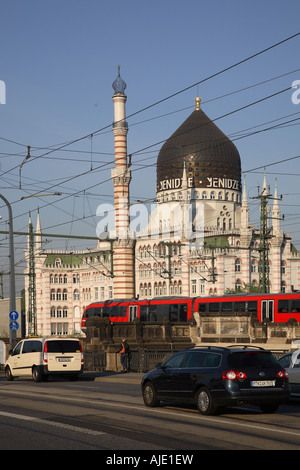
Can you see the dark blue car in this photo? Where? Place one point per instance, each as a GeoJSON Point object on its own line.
{"type": "Point", "coordinates": [212, 377]}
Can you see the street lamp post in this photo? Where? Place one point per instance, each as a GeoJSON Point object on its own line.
{"type": "Point", "coordinates": [12, 289]}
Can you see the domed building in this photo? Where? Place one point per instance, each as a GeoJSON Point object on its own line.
{"type": "Point", "coordinates": [199, 162]}
{"type": "Point", "coordinates": [198, 240]}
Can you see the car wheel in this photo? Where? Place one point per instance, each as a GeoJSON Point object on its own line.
{"type": "Point", "coordinates": [205, 402]}
{"type": "Point", "coordinates": [269, 407]}
{"type": "Point", "coordinates": [36, 374]}
{"type": "Point", "coordinates": [8, 374]}
{"type": "Point", "coordinates": [149, 395]}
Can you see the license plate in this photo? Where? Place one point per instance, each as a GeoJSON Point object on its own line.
{"type": "Point", "coordinates": [263, 383]}
{"type": "Point", "coordinates": [64, 359]}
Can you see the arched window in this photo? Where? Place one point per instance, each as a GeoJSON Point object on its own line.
{"type": "Point", "coordinates": [76, 295]}
{"type": "Point", "coordinates": [237, 266]}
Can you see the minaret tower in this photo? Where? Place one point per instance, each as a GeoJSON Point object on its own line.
{"type": "Point", "coordinates": [121, 175]}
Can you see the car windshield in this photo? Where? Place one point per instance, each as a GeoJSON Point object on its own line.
{"type": "Point", "coordinates": [61, 346]}
{"type": "Point", "coordinates": [240, 360]}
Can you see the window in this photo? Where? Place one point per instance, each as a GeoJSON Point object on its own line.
{"type": "Point", "coordinates": [194, 286]}
{"type": "Point", "coordinates": [202, 307]}
{"type": "Point", "coordinates": [32, 346]}
{"type": "Point", "coordinates": [295, 306]}
{"type": "Point", "coordinates": [96, 293]}
{"type": "Point", "coordinates": [237, 265]}
{"type": "Point", "coordinates": [194, 359]}
{"type": "Point", "coordinates": [76, 294]}
{"type": "Point", "coordinates": [226, 307]}
{"type": "Point", "coordinates": [174, 361]}
{"type": "Point", "coordinates": [211, 360]}
{"type": "Point", "coordinates": [252, 306]}
{"type": "Point", "coordinates": [52, 294]}
{"type": "Point", "coordinates": [65, 294]}
{"type": "Point", "coordinates": [214, 307]}
{"type": "Point", "coordinates": [110, 292]}
{"type": "Point", "coordinates": [239, 306]}
{"type": "Point", "coordinates": [283, 306]}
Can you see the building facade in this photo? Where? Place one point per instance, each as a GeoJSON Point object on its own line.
{"type": "Point", "coordinates": [198, 239]}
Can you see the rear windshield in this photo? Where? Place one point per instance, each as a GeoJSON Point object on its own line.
{"type": "Point", "coordinates": [62, 346]}
{"type": "Point", "coordinates": [239, 360]}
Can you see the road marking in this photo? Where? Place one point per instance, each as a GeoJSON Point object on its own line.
{"type": "Point", "coordinates": [198, 417]}
{"type": "Point", "coordinates": [52, 423]}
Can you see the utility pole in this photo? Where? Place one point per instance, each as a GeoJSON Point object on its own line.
{"type": "Point", "coordinates": [12, 290]}
{"type": "Point", "coordinates": [265, 235]}
{"type": "Point", "coordinates": [32, 320]}
{"type": "Point", "coordinates": [263, 264]}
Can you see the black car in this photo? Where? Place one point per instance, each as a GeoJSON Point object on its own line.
{"type": "Point", "coordinates": [213, 377]}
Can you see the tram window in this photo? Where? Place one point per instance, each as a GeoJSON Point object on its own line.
{"type": "Point", "coordinates": [114, 311]}
{"type": "Point", "coordinates": [93, 312]}
{"type": "Point", "coordinates": [226, 307]}
{"type": "Point", "coordinates": [162, 312]}
{"type": "Point", "coordinates": [144, 312]}
{"type": "Point", "coordinates": [182, 312]}
{"type": "Point", "coordinates": [173, 312]}
{"type": "Point", "coordinates": [122, 310]}
{"type": "Point", "coordinates": [240, 306]}
{"type": "Point", "coordinates": [252, 306]}
{"type": "Point", "coordinates": [214, 307]}
{"type": "Point", "coordinates": [283, 306]}
{"type": "Point", "coordinates": [295, 306]}
{"type": "Point", "coordinates": [105, 312]}
{"type": "Point", "coordinates": [201, 307]}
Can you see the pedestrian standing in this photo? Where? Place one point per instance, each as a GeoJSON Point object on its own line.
{"type": "Point", "coordinates": [125, 352]}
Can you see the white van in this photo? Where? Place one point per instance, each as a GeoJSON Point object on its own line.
{"type": "Point", "coordinates": [40, 357]}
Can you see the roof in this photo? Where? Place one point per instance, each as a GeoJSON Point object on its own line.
{"type": "Point", "coordinates": [204, 149]}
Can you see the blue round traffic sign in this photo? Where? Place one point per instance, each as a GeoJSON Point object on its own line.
{"type": "Point", "coordinates": [14, 325]}
{"type": "Point", "coordinates": [14, 315]}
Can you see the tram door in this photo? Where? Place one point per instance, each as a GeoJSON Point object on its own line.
{"type": "Point", "coordinates": [267, 310]}
{"type": "Point", "coordinates": [132, 312]}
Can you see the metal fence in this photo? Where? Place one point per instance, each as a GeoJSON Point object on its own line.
{"type": "Point", "coordinates": [140, 361]}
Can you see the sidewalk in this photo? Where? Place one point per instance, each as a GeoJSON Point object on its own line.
{"type": "Point", "coordinates": [114, 377]}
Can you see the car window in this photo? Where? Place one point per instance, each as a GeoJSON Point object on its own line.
{"type": "Point", "coordinates": [174, 361]}
{"type": "Point", "coordinates": [17, 349]}
{"type": "Point", "coordinates": [239, 360]}
{"type": "Point", "coordinates": [295, 359]}
{"type": "Point", "coordinates": [194, 359]}
{"type": "Point", "coordinates": [32, 346]}
{"type": "Point", "coordinates": [62, 346]}
{"type": "Point", "coordinates": [285, 361]}
{"type": "Point", "coordinates": [212, 360]}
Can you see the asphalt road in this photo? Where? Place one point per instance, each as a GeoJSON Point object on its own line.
{"type": "Point", "coordinates": [106, 412]}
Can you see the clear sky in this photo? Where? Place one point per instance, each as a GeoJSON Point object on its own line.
{"type": "Point", "coordinates": [58, 62]}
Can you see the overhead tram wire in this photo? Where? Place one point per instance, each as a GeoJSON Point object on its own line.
{"type": "Point", "coordinates": [226, 69]}
{"type": "Point", "coordinates": [108, 179]}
